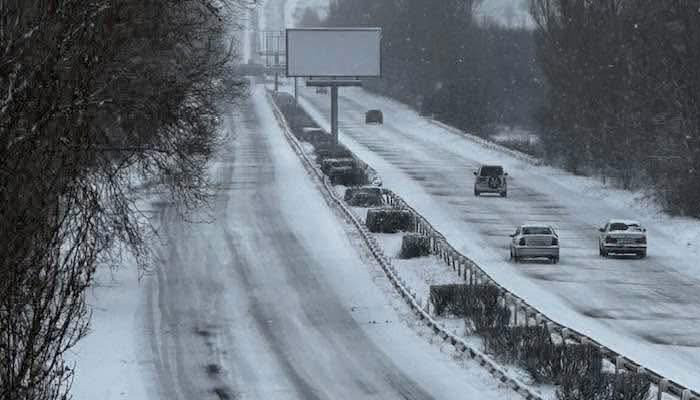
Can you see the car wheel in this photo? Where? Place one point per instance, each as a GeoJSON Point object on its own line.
{"type": "Point", "coordinates": [603, 253]}
{"type": "Point", "coordinates": [642, 254]}
{"type": "Point", "coordinates": [511, 254]}
{"type": "Point", "coordinates": [504, 194]}
{"type": "Point", "coordinates": [555, 260]}
{"type": "Point", "coordinates": [476, 192]}
{"type": "Point", "coordinates": [600, 251]}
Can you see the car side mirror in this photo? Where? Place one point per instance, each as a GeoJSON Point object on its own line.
{"type": "Point", "coordinates": [505, 174]}
{"type": "Point", "coordinates": [474, 172]}
{"type": "Point", "coordinates": [644, 229]}
{"type": "Point", "coordinates": [601, 229]}
{"type": "Point", "coordinates": [512, 235]}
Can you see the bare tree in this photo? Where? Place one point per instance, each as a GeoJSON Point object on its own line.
{"type": "Point", "coordinates": [95, 96]}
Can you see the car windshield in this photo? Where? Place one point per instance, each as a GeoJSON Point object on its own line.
{"type": "Point", "coordinates": [536, 230]}
{"type": "Point", "coordinates": [491, 171]}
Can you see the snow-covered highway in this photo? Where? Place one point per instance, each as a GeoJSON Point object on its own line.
{"type": "Point", "coordinates": [271, 300]}
{"type": "Point", "coordinates": [647, 309]}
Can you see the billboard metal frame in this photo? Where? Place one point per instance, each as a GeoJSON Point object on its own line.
{"type": "Point", "coordinates": [330, 77]}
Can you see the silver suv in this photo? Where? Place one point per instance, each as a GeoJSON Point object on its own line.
{"type": "Point", "coordinates": [491, 179]}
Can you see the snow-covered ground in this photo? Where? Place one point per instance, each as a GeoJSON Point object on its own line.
{"type": "Point", "coordinates": [113, 361]}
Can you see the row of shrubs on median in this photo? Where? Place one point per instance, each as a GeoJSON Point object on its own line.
{"type": "Point", "coordinates": [576, 369]}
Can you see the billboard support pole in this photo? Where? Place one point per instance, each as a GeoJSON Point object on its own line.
{"type": "Point", "coordinates": [296, 97]}
{"type": "Point", "coordinates": [334, 116]}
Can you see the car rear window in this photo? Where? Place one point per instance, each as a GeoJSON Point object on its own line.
{"type": "Point", "coordinates": [491, 171]}
{"type": "Point", "coordinates": [618, 226]}
{"type": "Point", "coordinates": [536, 230]}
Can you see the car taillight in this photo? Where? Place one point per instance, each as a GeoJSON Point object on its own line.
{"type": "Point", "coordinates": [610, 240]}
{"type": "Point", "coordinates": [522, 241]}
{"type": "Point", "coordinates": [642, 240]}
{"type": "Point", "coordinates": [555, 241]}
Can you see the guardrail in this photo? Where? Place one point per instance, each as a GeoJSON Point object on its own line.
{"type": "Point", "coordinates": [471, 272]}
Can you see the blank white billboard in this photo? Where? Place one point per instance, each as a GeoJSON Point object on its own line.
{"type": "Point", "coordinates": [337, 52]}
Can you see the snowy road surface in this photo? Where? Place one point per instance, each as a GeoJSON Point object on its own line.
{"type": "Point", "coordinates": [648, 310]}
{"type": "Point", "coordinates": [272, 301]}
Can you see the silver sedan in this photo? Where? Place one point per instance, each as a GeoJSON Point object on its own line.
{"type": "Point", "coordinates": [534, 241]}
{"type": "Point", "coordinates": [622, 237]}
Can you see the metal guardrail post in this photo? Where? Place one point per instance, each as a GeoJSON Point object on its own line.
{"type": "Point", "coordinates": [661, 388]}
{"type": "Point", "coordinates": [619, 364]}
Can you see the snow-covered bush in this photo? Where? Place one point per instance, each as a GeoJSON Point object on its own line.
{"type": "Point", "coordinates": [343, 175]}
{"type": "Point", "coordinates": [482, 306]}
{"type": "Point", "coordinates": [388, 220]}
{"type": "Point", "coordinates": [551, 364]}
{"type": "Point", "coordinates": [325, 149]}
{"type": "Point", "coordinates": [329, 163]}
{"type": "Point", "coordinates": [442, 296]}
{"type": "Point", "coordinates": [312, 134]}
{"type": "Point", "coordinates": [364, 196]}
{"type": "Point", "coordinates": [477, 303]}
{"type": "Point", "coordinates": [533, 349]}
{"type": "Point", "coordinates": [604, 386]}
{"type": "Point", "coordinates": [414, 245]}
{"type": "Point", "coordinates": [518, 343]}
